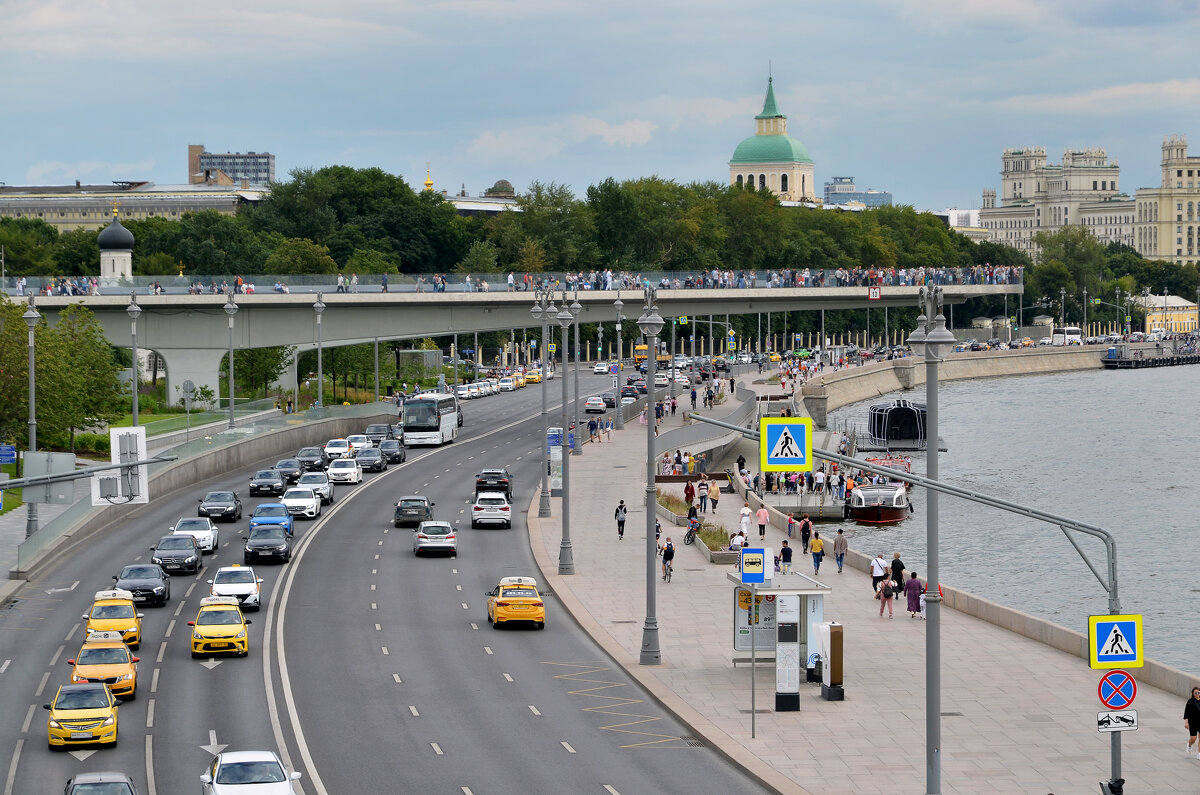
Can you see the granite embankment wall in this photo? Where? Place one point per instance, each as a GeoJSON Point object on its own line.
{"type": "Point", "coordinates": [834, 390]}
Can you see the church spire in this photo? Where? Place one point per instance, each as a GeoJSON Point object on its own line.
{"type": "Point", "coordinates": [770, 110]}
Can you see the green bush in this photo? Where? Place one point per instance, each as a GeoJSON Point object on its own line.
{"type": "Point", "coordinates": [92, 443]}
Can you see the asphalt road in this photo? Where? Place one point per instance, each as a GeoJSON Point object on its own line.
{"type": "Point", "coordinates": [370, 670]}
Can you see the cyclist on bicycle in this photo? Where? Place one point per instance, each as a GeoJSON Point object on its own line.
{"type": "Point", "coordinates": [668, 554]}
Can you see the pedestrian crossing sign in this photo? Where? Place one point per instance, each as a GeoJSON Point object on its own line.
{"type": "Point", "coordinates": [785, 444]}
{"type": "Point", "coordinates": [1115, 641]}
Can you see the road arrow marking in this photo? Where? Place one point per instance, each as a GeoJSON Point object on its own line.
{"type": "Point", "coordinates": [74, 585]}
{"type": "Point", "coordinates": [213, 746]}
{"type": "Point", "coordinates": [82, 755]}
{"type": "Point", "coordinates": [211, 663]}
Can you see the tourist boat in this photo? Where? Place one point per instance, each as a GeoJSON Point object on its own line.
{"type": "Point", "coordinates": [897, 424]}
{"type": "Point", "coordinates": [878, 503]}
{"type": "Point", "coordinates": [904, 464]}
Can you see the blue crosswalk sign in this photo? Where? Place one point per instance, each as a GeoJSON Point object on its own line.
{"type": "Point", "coordinates": [785, 444]}
{"type": "Point", "coordinates": [1115, 641]}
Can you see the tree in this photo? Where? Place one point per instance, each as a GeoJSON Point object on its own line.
{"type": "Point", "coordinates": [368, 260]}
{"type": "Point", "coordinates": [256, 369]}
{"type": "Point", "coordinates": [297, 255]}
{"type": "Point", "coordinates": [89, 390]}
{"type": "Point", "coordinates": [482, 258]}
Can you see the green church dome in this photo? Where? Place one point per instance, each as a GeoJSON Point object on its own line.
{"type": "Point", "coordinates": [770, 149]}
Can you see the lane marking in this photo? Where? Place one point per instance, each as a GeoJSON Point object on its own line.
{"type": "Point", "coordinates": [487, 649]}
{"type": "Point", "coordinates": [374, 606]}
{"type": "Point", "coordinates": [42, 684]}
{"type": "Point", "coordinates": [162, 649]}
{"type": "Point", "coordinates": [567, 745]}
{"type": "Point", "coordinates": [12, 768]}
{"type": "Point", "coordinates": [385, 651]}
{"type": "Point", "coordinates": [454, 571]}
{"type": "Point", "coordinates": [474, 625]}
{"type": "Point", "coordinates": [464, 604]}
{"type": "Point", "coordinates": [28, 718]}
{"type": "Point", "coordinates": [151, 789]}
{"type": "Point", "coordinates": [374, 571]}
{"type": "Point", "coordinates": [71, 634]}
{"type": "Point", "coordinates": [437, 749]}
{"type": "Point", "coordinates": [508, 677]}
{"type": "Point", "coordinates": [396, 678]}
{"type": "Point", "coordinates": [414, 712]}
{"type": "Point", "coordinates": [170, 629]}
{"type": "Point", "coordinates": [4, 667]}
{"type": "Point", "coordinates": [610, 790]}
{"type": "Point", "coordinates": [179, 608]}
{"type": "Point", "coordinates": [154, 681]}
{"type": "Point", "coordinates": [534, 710]}
{"type": "Point", "coordinates": [386, 530]}
{"type": "Point", "coordinates": [466, 791]}
{"type": "Point", "coordinates": [188, 592]}
{"type": "Point", "coordinates": [54, 659]}
{"type": "Point", "coordinates": [376, 556]}
{"type": "Point", "coordinates": [150, 714]}
{"type": "Point", "coordinates": [381, 543]}
{"type": "Point", "coordinates": [372, 586]}
{"type": "Point", "coordinates": [458, 587]}
{"type": "Point", "coordinates": [378, 628]}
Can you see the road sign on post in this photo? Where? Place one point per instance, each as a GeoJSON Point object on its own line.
{"type": "Point", "coordinates": [1123, 721]}
{"type": "Point", "coordinates": [683, 320]}
{"type": "Point", "coordinates": [8, 454]}
{"type": "Point", "coordinates": [785, 444]}
{"type": "Point", "coordinates": [1117, 690]}
{"type": "Point", "coordinates": [1115, 642]}
{"type": "Point", "coordinates": [754, 566]}
{"type": "Point", "coordinates": [874, 293]}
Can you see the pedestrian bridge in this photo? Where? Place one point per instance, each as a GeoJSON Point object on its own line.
{"type": "Point", "coordinates": [191, 332]}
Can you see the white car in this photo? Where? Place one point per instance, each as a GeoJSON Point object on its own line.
{"type": "Point", "coordinates": [508, 384]}
{"type": "Point", "coordinates": [600, 368]}
{"type": "Point", "coordinates": [320, 483]}
{"type": "Point", "coordinates": [238, 582]}
{"type": "Point", "coordinates": [359, 441]}
{"type": "Point", "coordinates": [462, 392]}
{"type": "Point", "coordinates": [344, 470]}
{"type": "Point", "coordinates": [336, 448]}
{"type": "Point", "coordinates": [594, 405]}
{"type": "Point", "coordinates": [302, 502]}
{"type": "Point", "coordinates": [200, 528]}
{"type": "Point", "coordinates": [661, 379]}
{"type": "Point", "coordinates": [238, 772]}
{"type": "Point", "coordinates": [491, 507]}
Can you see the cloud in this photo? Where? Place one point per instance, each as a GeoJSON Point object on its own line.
{"type": "Point", "coordinates": [536, 142]}
{"type": "Point", "coordinates": [61, 173]}
{"type": "Point", "coordinates": [1115, 100]}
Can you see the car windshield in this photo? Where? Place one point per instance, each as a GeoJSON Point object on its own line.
{"type": "Point", "coordinates": [376, 429]}
{"type": "Point", "coordinates": [219, 496]}
{"type": "Point", "coordinates": [344, 463]}
{"type": "Point", "coordinates": [313, 478]}
{"type": "Point", "coordinates": [271, 532]}
{"type": "Point", "coordinates": [389, 444]}
{"type": "Point", "coordinates": [299, 494]}
{"type": "Point", "coordinates": [267, 474]}
{"type": "Point", "coordinates": [335, 444]}
{"type": "Point", "coordinates": [218, 618]}
{"type": "Point", "coordinates": [360, 439]}
{"type": "Point", "coordinates": [250, 773]}
{"type": "Point", "coordinates": [180, 543]}
{"type": "Point", "coordinates": [82, 699]}
{"type": "Point", "coordinates": [309, 452]}
{"type": "Point", "coordinates": [111, 655]}
{"type": "Point", "coordinates": [270, 510]}
{"type": "Point", "coordinates": [435, 529]}
{"type": "Point", "coordinates": [371, 453]}
{"type": "Point", "coordinates": [191, 526]}
{"type": "Point", "coordinates": [234, 576]}
{"type": "Point", "coordinates": [102, 788]}
{"type": "Point", "coordinates": [420, 416]}
{"type": "Point", "coordinates": [139, 573]}
{"type": "Point", "coordinates": [112, 611]}
{"type": "Point", "coordinates": [287, 463]}
{"type": "Point", "coordinates": [518, 593]}
{"type": "Point", "coordinates": [491, 501]}
{"type": "Point", "coordinates": [412, 503]}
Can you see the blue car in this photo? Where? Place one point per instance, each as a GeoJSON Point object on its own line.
{"type": "Point", "coordinates": [271, 513]}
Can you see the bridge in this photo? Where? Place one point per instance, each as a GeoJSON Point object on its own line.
{"type": "Point", "coordinates": [191, 332]}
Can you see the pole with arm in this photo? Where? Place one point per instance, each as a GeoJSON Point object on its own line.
{"type": "Point", "coordinates": [230, 309]}
{"type": "Point", "coordinates": [32, 317]}
{"type": "Point", "coordinates": [134, 310]}
{"type": "Point", "coordinates": [576, 308]}
{"type": "Point", "coordinates": [620, 411]}
{"type": "Point", "coordinates": [566, 560]}
{"type": "Point", "coordinates": [650, 323]}
{"type": "Point", "coordinates": [319, 308]}
{"type": "Point", "coordinates": [543, 309]}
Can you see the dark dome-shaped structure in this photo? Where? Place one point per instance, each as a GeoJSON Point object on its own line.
{"type": "Point", "coordinates": [502, 189]}
{"type": "Point", "coordinates": [115, 237]}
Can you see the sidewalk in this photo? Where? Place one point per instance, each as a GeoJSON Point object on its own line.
{"type": "Point", "coordinates": [1017, 716]}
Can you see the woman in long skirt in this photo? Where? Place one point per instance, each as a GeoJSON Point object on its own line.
{"type": "Point", "coordinates": [912, 589]}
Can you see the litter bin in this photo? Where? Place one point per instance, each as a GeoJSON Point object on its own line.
{"type": "Point", "coordinates": [391, 391]}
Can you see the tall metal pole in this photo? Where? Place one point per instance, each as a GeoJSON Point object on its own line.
{"type": "Point", "coordinates": [31, 319]}
{"type": "Point", "coordinates": [759, 338]}
{"type": "Point", "coordinates": [230, 309]}
{"type": "Point", "coordinates": [576, 308]}
{"type": "Point", "coordinates": [1085, 331]}
{"type": "Point", "coordinates": [543, 309]}
{"type": "Point", "coordinates": [319, 308]}
{"type": "Point", "coordinates": [671, 371]}
{"type": "Point", "coordinates": [566, 561]}
{"type": "Point", "coordinates": [650, 323]}
{"type": "Point", "coordinates": [134, 310]}
{"type": "Point", "coordinates": [1062, 306]}
{"type": "Point", "coordinates": [620, 408]}
{"type": "Point", "coordinates": [377, 369]}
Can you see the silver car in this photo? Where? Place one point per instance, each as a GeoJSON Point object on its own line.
{"type": "Point", "coordinates": [435, 537]}
{"type": "Point", "coordinates": [320, 483]}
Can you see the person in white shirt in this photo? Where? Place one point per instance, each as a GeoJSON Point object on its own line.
{"type": "Point", "coordinates": [879, 570]}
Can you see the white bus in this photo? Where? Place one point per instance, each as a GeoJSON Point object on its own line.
{"type": "Point", "coordinates": [1066, 335]}
{"type": "Point", "coordinates": [430, 418]}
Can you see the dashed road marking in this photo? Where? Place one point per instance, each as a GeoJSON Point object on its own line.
{"type": "Point", "coordinates": [374, 606]}
{"type": "Point", "coordinates": [4, 667]}
{"type": "Point", "coordinates": [567, 745]}
{"type": "Point", "coordinates": [42, 684]}
{"type": "Point", "coordinates": [179, 608]}
{"type": "Point", "coordinates": [162, 649]}
{"type": "Point", "coordinates": [610, 790]}
{"type": "Point", "coordinates": [28, 718]}
{"type": "Point", "coordinates": [71, 634]}
{"type": "Point", "coordinates": [170, 629]}
{"type": "Point", "coordinates": [437, 749]}
{"type": "Point", "coordinates": [487, 649]}
{"type": "Point", "coordinates": [414, 712]}
{"type": "Point", "coordinates": [385, 651]}
{"type": "Point", "coordinates": [12, 768]}
{"type": "Point", "coordinates": [474, 625]}
{"type": "Point", "coordinates": [54, 659]}
{"type": "Point", "coordinates": [188, 592]}
{"type": "Point", "coordinates": [508, 677]}
{"type": "Point", "coordinates": [154, 682]}
{"type": "Point", "coordinates": [458, 587]}
{"type": "Point", "coordinates": [372, 586]}
{"type": "Point", "coordinates": [534, 710]}
{"type": "Point", "coordinates": [378, 628]}
{"type": "Point", "coordinates": [150, 714]}
{"type": "Point", "coordinates": [376, 557]}
{"type": "Point", "coordinates": [396, 678]}
{"type": "Point", "coordinates": [464, 604]}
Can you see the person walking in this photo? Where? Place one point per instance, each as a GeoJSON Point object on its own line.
{"type": "Point", "coordinates": [840, 546]}
{"type": "Point", "coordinates": [744, 518]}
{"type": "Point", "coordinates": [817, 547]}
{"type": "Point", "coordinates": [763, 517]}
{"type": "Point", "coordinates": [912, 590]}
{"type": "Point", "coordinates": [689, 492]}
{"type": "Point", "coordinates": [806, 528]}
{"type": "Point", "coordinates": [897, 573]}
{"type": "Point", "coordinates": [1191, 720]}
{"type": "Point", "coordinates": [741, 462]}
{"type": "Point", "coordinates": [791, 525]}
{"type": "Point", "coordinates": [879, 570]}
{"type": "Point", "coordinates": [383, 281]}
{"type": "Point", "coordinates": [785, 559]}
{"type": "Point", "coordinates": [887, 590]}
{"type": "Point", "coordinates": [702, 493]}
{"type": "Point", "coordinates": [619, 515]}
{"type": "Point", "coordinates": [714, 495]}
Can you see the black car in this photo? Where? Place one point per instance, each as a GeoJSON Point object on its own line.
{"type": "Point", "coordinates": [629, 391]}
{"type": "Point", "coordinates": [221, 506]}
{"type": "Point", "coordinates": [721, 363]}
{"type": "Point", "coordinates": [268, 481]}
{"type": "Point", "coordinates": [610, 399]}
{"type": "Point", "coordinates": [378, 432]}
{"type": "Point", "coordinates": [290, 469]}
{"type": "Point", "coordinates": [393, 451]}
{"type": "Point", "coordinates": [177, 553]}
{"type": "Point", "coordinates": [976, 345]}
{"type": "Point", "coordinates": [267, 542]}
{"type": "Point", "coordinates": [495, 480]}
{"type": "Point", "coordinates": [640, 386]}
{"type": "Point", "coordinates": [146, 581]}
{"type": "Point", "coordinates": [411, 511]}
{"type": "Point", "coordinates": [310, 459]}
{"type": "Point", "coordinates": [372, 460]}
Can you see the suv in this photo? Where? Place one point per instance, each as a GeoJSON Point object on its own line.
{"type": "Point", "coordinates": [495, 480]}
{"type": "Point", "coordinates": [412, 510]}
{"type": "Point", "coordinates": [378, 432]}
{"type": "Point", "coordinates": [311, 459]}
{"type": "Point", "coordinates": [491, 507]}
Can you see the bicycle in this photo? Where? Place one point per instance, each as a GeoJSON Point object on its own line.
{"type": "Point", "coordinates": [667, 569]}
{"type": "Point", "coordinates": [689, 538]}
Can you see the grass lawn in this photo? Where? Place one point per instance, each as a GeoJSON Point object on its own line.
{"type": "Point", "coordinates": [12, 497]}
{"type": "Point", "coordinates": [165, 423]}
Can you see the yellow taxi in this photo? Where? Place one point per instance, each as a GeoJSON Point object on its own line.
{"type": "Point", "coordinates": [773, 356]}
{"type": "Point", "coordinates": [113, 611]}
{"type": "Point", "coordinates": [82, 714]}
{"type": "Point", "coordinates": [534, 376]}
{"type": "Point", "coordinates": [516, 599]}
{"type": "Point", "coordinates": [1027, 342]}
{"type": "Point", "coordinates": [519, 379]}
{"type": "Point", "coordinates": [105, 659]}
{"type": "Point", "coordinates": [220, 627]}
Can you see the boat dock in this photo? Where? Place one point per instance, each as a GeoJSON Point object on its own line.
{"type": "Point", "coordinates": [1137, 361]}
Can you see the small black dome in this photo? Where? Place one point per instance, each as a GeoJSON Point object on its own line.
{"type": "Point", "coordinates": [115, 237]}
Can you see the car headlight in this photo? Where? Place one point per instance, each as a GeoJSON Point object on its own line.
{"type": "Point", "coordinates": [109, 721]}
{"type": "Point", "coordinates": [196, 635]}
{"type": "Point", "coordinates": [240, 635]}
{"type": "Point", "coordinates": [53, 724]}
{"type": "Point", "coordinates": [157, 560]}
{"type": "Point", "coordinates": [78, 678]}
{"type": "Point", "coordinates": [124, 678]}
{"type": "Point", "coordinates": [159, 589]}
{"type": "Point", "coordinates": [191, 559]}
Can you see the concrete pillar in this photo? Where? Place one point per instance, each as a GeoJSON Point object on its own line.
{"type": "Point", "coordinates": [201, 367]}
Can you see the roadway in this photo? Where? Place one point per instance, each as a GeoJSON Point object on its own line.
{"type": "Point", "coordinates": [368, 666]}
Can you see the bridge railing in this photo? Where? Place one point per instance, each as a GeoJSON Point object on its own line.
{"type": "Point", "coordinates": [498, 282]}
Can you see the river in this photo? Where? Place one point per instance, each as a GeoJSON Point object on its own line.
{"type": "Point", "coordinates": [1109, 448]}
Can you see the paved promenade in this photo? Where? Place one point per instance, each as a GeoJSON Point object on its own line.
{"type": "Point", "coordinates": [1018, 717]}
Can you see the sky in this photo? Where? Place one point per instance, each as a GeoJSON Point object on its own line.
{"type": "Point", "coordinates": [915, 97]}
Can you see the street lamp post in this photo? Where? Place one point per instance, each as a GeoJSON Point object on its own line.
{"type": "Point", "coordinates": [544, 309]}
{"type": "Point", "coordinates": [650, 324]}
{"type": "Point", "coordinates": [671, 367]}
{"type": "Point", "coordinates": [134, 310]}
{"type": "Point", "coordinates": [575, 309]}
{"type": "Point", "coordinates": [618, 305]}
{"type": "Point", "coordinates": [31, 319]}
{"type": "Point", "coordinates": [566, 561]}
{"type": "Point", "coordinates": [932, 339]}
{"type": "Point", "coordinates": [319, 308]}
{"type": "Point", "coordinates": [1062, 306]}
{"type": "Point", "coordinates": [230, 309]}
{"type": "Point", "coordinates": [1085, 331]}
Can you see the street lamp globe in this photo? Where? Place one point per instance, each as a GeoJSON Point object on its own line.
{"type": "Point", "coordinates": [916, 340]}
{"type": "Point", "coordinates": [133, 309]}
{"type": "Point", "coordinates": [319, 306]}
{"type": "Point", "coordinates": [939, 340]}
{"type": "Point", "coordinates": [231, 308]}
{"type": "Point", "coordinates": [651, 322]}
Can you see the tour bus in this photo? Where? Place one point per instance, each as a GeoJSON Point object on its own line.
{"type": "Point", "coordinates": [430, 418]}
{"type": "Point", "coordinates": [1066, 335]}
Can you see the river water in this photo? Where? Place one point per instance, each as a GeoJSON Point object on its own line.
{"type": "Point", "coordinates": [1114, 449]}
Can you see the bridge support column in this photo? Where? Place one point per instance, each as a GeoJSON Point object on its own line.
{"type": "Point", "coordinates": [201, 367]}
